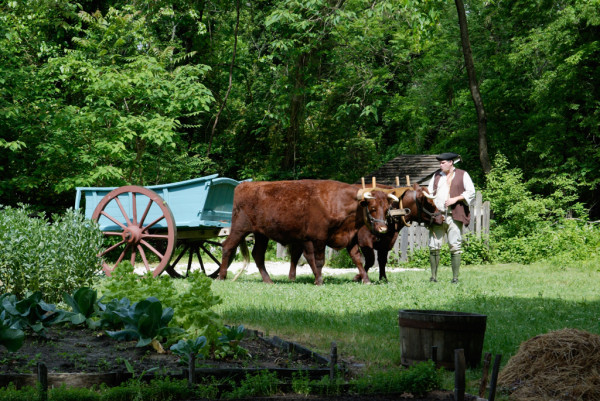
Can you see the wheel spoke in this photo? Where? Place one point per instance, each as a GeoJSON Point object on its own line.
{"type": "Point", "coordinates": [147, 245]}
{"type": "Point", "coordinates": [112, 233]}
{"type": "Point", "coordinates": [107, 250]}
{"type": "Point", "coordinates": [133, 255]}
{"type": "Point", "coordinates": [134, 209]}
{"type": "Point", "coordinates": [148, 206]}
{"type": "Point", "coordinates": [114, 220]}
{"type": "Point", "coordinates": [153, 223]}
{"type": "Point", "coordinates": [121, 257]}
{"type": "Point", "coordinates": [156, 236]}
{"type": "Point", "coordinates": [144, 259]}
{"type": "Point", "coordinates": [123, 210]}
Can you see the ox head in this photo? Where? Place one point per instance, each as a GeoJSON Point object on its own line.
{"type": "Point", "coordinates": [375, 205]}
{"type": "Point", "coordinates": [419, 206]}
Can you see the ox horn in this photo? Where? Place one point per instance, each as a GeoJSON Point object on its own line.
{"type": "Point", "coordinates": [368, 195]}
{"type": "Point", "coordinates": [427, 195]}
{"type": "Point", "coordinates": [393, 197]}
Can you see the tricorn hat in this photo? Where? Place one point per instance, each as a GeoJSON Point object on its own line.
{"type": "Point", "coordinates": [449, 156]}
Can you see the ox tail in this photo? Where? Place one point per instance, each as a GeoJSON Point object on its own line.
{"type": "Point", "coordinates": [246, 256]}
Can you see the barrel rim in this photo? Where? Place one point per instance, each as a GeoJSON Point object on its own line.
{"type": "Point", "coordinates": [431, 312]}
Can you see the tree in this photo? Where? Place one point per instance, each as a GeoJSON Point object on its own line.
{"type": "Point", "coordinates": [474, 87]}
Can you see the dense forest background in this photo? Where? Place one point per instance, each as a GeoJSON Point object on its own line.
{"type": "Point", "coordinates": [105, 93]}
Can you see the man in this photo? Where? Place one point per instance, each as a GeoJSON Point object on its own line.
{"type": "Point", "coordinates": [454, 191]}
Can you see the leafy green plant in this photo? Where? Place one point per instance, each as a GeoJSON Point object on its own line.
{"type": "Point", "coordinates": [84, 307]}
{"type": "Point", "coordinates": [229, 342]}
{"type": "Point", "coordinates": [262, 384]}
{"type": "Point", "coordinates": [418, 380]}
{"type": "Point", "coordinates": [10, 337]}
{"type": "Point", "coordinates": [108, 318]}
{"type": "Point", "coordinates": [185, 348]}
{"type": "Point", "coordinates": [192, 299]}
{"type": "Point", "coordinates": [145, 321]}
{"type": "Point", "coordinates": [51, 258]}
{"type": "Point", "coordinates": [29, 313]}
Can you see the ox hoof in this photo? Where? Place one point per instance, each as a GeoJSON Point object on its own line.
{"type": "Point", "coordinates": [292, 278]}
{"type": "Point", "coordinates": [357, 278]}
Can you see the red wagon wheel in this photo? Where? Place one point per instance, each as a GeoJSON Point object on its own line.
{"type": "Point", "coordinates": [139, 237]}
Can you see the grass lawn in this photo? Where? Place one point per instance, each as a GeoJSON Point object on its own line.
{"type": "Point", "coordinates": [520, 301]}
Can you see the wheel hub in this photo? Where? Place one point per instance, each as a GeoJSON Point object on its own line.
{"type": "Point", "coordinates": [132, 235]}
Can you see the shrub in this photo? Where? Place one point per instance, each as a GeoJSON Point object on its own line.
{"type": "Point", "coordinates": [48, 257]}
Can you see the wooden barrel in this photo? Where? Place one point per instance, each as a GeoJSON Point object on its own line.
{"type": "Point", "coordinates": [420, 330]}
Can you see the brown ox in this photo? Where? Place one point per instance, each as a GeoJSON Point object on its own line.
{"type": "Point", "coordinates": [417, 206]}
{"type": "Point", "coordinates": [310, 214]}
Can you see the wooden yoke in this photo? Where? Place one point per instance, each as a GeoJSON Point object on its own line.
{"type": "Point", "coordinates": [397, 192]}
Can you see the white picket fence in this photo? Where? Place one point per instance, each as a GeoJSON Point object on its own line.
{"type": "Point", "coordinates": [416, 236]}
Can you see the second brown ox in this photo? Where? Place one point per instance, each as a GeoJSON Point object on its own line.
{"type": "Point", "coordinates": [313, 213]}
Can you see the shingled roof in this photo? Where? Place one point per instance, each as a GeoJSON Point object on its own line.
{"type": "Point", "coordinates": [419, 168]}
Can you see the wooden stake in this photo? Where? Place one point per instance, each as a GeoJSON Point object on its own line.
{"type": "Point", "coordinates": [407, 181]}
{"type": "Point", "coordinates": [334, 361]}
{"type": "Point", "coordinates": [374, 185]}
{"type": "Point", "coordinates": [494, 379]}
{"type": "Point", "coordinates": [486, 370]}
{"type": "Point", "coordinates": [363, 182]}
{"type": "Point", "coordinates": [43, 380]}
{"type": "Point", "coordinates": [459, 374]}
{"type": "Point", "coordinates": [397, 181]}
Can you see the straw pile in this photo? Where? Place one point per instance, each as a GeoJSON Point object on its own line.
{"type": "Point", "coordinates": [560, 365]}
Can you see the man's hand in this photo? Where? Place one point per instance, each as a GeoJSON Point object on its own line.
{"type": "Point", "coordinates": [451, 201]}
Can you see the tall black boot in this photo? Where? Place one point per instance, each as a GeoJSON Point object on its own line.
{"type": "Point", "coordinates": [434, 262]}
{"type": "Point", "coordinates": [455, 259]}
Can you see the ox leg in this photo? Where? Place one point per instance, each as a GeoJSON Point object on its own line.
{"type": "Point", "coordinates": [382, 256]}
{"type": "Point", "coordinates": [369, 255]}
{"type": "Point", "coordinates": [295, 253]}
{"type": "Point", "coordinates": [258, 253]}
{"type": "Point", "coordinates": [355, 255]}
{"type": "Point", "coordinates": [229, 247]}
{"type": "Point", "coordinates": [319, 260]}
{"type": "Point", "coordinates": [311, 257]}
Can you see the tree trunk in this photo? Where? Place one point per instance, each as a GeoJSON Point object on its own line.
{"type": "Point", "coordinates": [294, 130]}
{"type": "Point", "coordinates": [474, 87]}
{"type": "Point", "coordinates": [235, 40]}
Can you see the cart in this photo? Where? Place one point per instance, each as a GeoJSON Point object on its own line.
{"type": "Point", "coordinates": [149, 225]}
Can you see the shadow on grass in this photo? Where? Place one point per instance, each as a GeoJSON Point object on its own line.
{"type": "Point", "coordinates": [373, 333]}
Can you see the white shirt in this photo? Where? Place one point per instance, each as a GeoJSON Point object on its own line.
{"type": "Point", "coordinates": [443, 192]}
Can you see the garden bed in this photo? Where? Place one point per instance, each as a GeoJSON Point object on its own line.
{"type": "Point", "coordinates": [81, 357]}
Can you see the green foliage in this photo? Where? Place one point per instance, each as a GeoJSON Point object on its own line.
{"type": "Point", "coordinates": [418, 380]}
{"type": "Point", "coordinates": [475, 251]}
{"type": "Point", "coordinates": [192, 299]}
{"type": "Point", "coordinates": [25, 393]}
{"type": "Point", "coordinates": [30, 313]}
{"type": "Point", "coordinates": [145, 321]}
{"type": "Point", "coordinates": [340, 260]}
{"type": "Point", "coordinates": [185, 348]}
{"type": "Point", "coordinates": [528, 228]}
{"type": "Point", "coordinates": [11, 338]}
{"type": "Point", "coordinates": [52, 258]}
{"type": "Point", "coordinates": [84, 305]}
{"type": "Point", "coordinates": [263, 384]}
